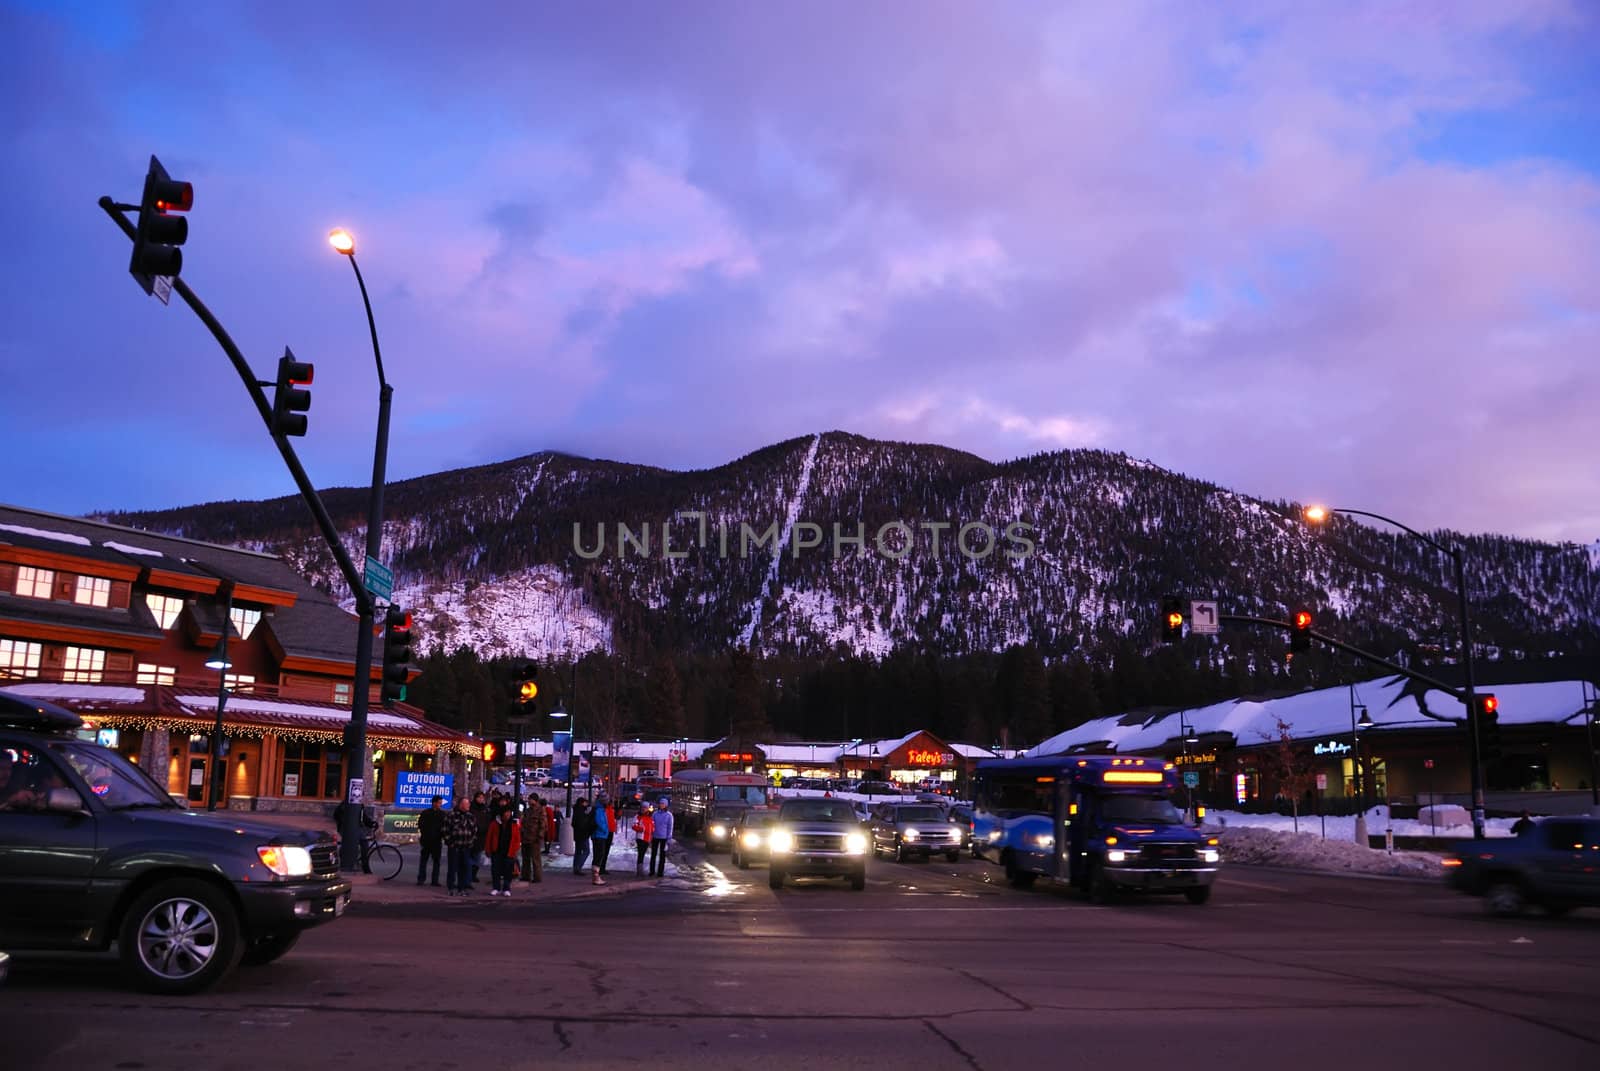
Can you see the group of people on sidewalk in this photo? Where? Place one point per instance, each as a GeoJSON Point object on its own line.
{"type": "Point", "coordinates": [596, 828]}
{"type": "Point", "coordinates": [488, 830]}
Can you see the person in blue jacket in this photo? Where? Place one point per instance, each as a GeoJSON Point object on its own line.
{"type": "Point", "coordinates": [660, 839]}
{"type": "Point", "coordinates": [601, 838]}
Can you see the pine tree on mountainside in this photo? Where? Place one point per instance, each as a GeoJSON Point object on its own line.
{"type": "Point", "coordinates": [663, 705]}
{"type": "Point", "coordinates": [747, 714]}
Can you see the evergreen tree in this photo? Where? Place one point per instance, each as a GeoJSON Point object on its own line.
{"type": "Point", "coordinates": [663, 704]}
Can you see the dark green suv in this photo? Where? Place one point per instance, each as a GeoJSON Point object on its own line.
{"type": "Point", "coordinates": [93, 851]}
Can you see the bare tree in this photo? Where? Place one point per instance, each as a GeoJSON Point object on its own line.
{"type": "Point", "coordinates": [1294, 769]}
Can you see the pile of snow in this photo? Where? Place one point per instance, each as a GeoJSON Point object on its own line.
{"type": "Point", "coordinates": [1308, 851]}
{"type": "Point", "coordinates": [1343, 827]}
{"type": "Point", "coordinates": [1444, 814]}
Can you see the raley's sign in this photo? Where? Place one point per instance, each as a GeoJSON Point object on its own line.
{"type": "Point", "coordinates": [923, 757]}
{"type": "Point", "coordinates": [735, 756]}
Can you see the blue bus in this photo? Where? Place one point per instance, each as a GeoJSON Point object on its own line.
{"type": "Point", "coordinates": [1100, 823]}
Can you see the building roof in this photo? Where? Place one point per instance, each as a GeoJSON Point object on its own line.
{"type": "Point", "coordinates": [1392, 703]}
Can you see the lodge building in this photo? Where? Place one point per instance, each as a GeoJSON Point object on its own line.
{"type": "Point", "coordinates": [117, 625]}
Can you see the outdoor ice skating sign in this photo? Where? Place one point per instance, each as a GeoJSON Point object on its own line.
{"type": "Point", "coordinates": [414, 790]}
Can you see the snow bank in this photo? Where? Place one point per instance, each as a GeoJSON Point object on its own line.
{"type": "Point", "coordinates": [1269, 847]}
{"type": "Point", "coordinates": [1343, 827]}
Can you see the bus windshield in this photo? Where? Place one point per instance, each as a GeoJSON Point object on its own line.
{"type": "Point", "coordinates": [754, 795]}
{"type": "Point", "coordinates": [1152, 809]}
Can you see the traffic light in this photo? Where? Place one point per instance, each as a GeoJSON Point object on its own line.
{"type": "Point", "coordinates": [1488, 727]}
{"type": "Point", "coordinates": [289, 399]}
{"type": "Point", "coordinates": [528, 685]}
{"type": "Point", "coordinates": [158, 234]}
{"type": "Point", "coordinates": [396, 654]}
{"type": "Point", "coordinates": [1171, 620]}
{"type": "Point", "coordinates": [1300, 634]}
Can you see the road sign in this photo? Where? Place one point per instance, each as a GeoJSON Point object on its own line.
{"type": "Point", "coordinates": [357, 790]}
{"type": "Point", "coordinates": [416, 789]}
{"type": "Point", "coordinates": [1191, 778]}
{"type": "Point", "coordinates": [1203, 618]}
{"type": "Point", "coordinates": [161, 287]}
{"type": "Point", "coordinates": [378, 578]}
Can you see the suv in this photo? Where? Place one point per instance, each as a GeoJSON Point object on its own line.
{"type": "Point", "coordinates": [914, 830]}
{"type": "Point", "coordinates": [93, 851]}
{"type": "Point", "coordinates": [1555, 865]}
{"type": "Point", "coordinates": [817, 838]}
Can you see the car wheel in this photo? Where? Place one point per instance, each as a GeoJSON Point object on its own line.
{"type": "Point", "coordinates": [1505, 899]}
{"type": "Point", "coordinates": [1019, 879]}
{"type": "Point", "coordinates": [1101, 890]}
{"type": "Point", "coordinates": [181, 936]}
{"type": "Point", "coordinates": [740, 861]}
{"type": "Point", "coordinates": [775, 878]}
{"type": "Point", "coordinates": [1197, 895]}
{"type": "Point", "coordinates": [264, 950]}
{"type": "Point", "coordinates": [954, 857]}
{"type": "Point", "coordinates": [858, 880]}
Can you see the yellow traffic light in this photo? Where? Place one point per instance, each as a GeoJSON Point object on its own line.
{"type": "Point", "coordinates": [529, 691]}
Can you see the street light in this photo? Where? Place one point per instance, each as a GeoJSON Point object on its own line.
{"type": "Point", "coordinates": [356, 738]}
{"type": "Point", "coordinates": [1356, 726]}
{"type": "Point", "coordinates": [1319, 514]}
{"type": "Point", "coordinates": [1591, 717]}
{"type": "Point", "coordinates": [1190, 737]}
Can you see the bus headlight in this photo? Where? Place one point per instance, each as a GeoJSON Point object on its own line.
{"type": "Point", "coordinates": [1210, 855]}
{"type": "Point", "coordinates": [855, 844]}
{"type": "Point", "coordinates": [1116, 855]}
{"type": "Point", "coordinates": [752, 840]}
{"type": "Point", "coordinates": [781, 841]}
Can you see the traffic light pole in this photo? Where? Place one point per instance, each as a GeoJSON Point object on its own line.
{"type": "Point", "coordinates": [355, 753]}
{"type": "Point", "coordinates": [1473, 727]}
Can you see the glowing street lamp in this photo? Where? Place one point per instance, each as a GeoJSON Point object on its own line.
{"type": "Point", "coordinates": [343, 241]}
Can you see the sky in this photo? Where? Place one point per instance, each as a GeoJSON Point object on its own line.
{"type": "Point", "coordinates": [1341, 252]}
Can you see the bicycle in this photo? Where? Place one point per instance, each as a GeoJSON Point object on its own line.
{"type": "Point", "coordinates": [380, 858]}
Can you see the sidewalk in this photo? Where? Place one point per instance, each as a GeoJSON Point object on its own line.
{"type": "Point", "coordinates": [559, 883]}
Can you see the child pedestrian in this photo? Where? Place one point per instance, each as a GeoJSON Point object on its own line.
{"type": "Point", "coordinates": [643, 826]}
{"type": "Point", "coordinates": [660, 838]}
{"type": "Point", "coordinates": [503, 842]}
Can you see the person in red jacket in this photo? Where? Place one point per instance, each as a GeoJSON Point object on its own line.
{"type": "Point", "coordinates": [643, 826]}
{"type": "Point", "coordinates": [503, 842]}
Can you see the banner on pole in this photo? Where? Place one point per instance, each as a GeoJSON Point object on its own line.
{"type": "Point", "coordinates": [561, 756]}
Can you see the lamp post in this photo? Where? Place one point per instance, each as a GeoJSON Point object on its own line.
{"type": "Point", "coordinates": [518, 722]}
{"type": "Point", "coordinates": [1355, 765]}
{"type": "Point", "coordinates": [1189, 737]}
{"type": "Point", "coordinates": [1318, 514]}
{"type": "Point", "coordinates": [356, 738]}
{"type": "Point", "coordinates": [1591, 714]}
{"type": "Point", "coordinates": [220, 662]}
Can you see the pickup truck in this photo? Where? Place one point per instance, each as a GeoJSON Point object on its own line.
{"type": "Point", "coordinates": [1554, 865]}
{"type": "Point", "coordinates": [93, 852]}
{"type": "Point", "coordinates": [817, 838]}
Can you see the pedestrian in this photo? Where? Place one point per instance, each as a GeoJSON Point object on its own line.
{"type": "Point", "coordinates": [582, 828]}
{"type": "Point", "coordinates": [480, 814]}
{"type": "Point", "coordinates": [503, 842]}
{"type": "Point", "coordinates": [660, 838]}
{"type": "Point", "coordinates": [460, 833]}
{"type": "Point", "coordinates": [533, 842]}
{"type": "Point", "coordinates": [1522, 825]}
{"type": "Point", "coordinates": [552, 828]}
{"type": "Point", "coordinates": [643, 827]}
{"type": "Point", "coordinates": [604, 829]}
{"type": "Point", "coordinates": [430, 837]}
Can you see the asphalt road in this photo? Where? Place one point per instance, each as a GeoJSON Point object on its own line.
{"type": "Point", "coordinates": [933, 966]}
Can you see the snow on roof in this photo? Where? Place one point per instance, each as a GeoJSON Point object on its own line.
{"type": "Point", "coordinates": [128, 549]}
{"type": "Point", "coordinates": [818, 752]}
{"type": "Point", "coordinates": [1324, 712]}
{"type": "Point", "coordinates": [245, 704]}
{"type": "Point", "coordinates": [41, 533]}
{"type": "Point", "coordinates": [101, 693]}
{"type": "Point", "coordinates": [972, 751]}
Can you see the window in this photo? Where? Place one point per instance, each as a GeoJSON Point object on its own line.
{"type": "Point", "coordinates": [341, 693]}
{"type": "Point", "coordinates": [19, 659]}
{"type": "Point", "coordinates": [92, 591]}
{"type": "Point", "coordinates": [312, 769]}
{"type": "Point", "coordinates": [164, 608]}
{"type": "Point", "coordinates": [238, 682]}
{"type": "Point", "coordinates": [153, 674]}
{"type": "Point", "coordinates": [245, 621]}
{"type": "Point", "coordinates": [85, 665]}
{"type": "Point", "coordinates": [35, 583]}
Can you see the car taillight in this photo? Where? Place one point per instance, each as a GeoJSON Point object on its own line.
{"type": "Point", "coordinates": [1449, 861]}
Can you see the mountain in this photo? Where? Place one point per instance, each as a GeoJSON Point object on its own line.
{"type": "Point", "coordinates": [550, 554]}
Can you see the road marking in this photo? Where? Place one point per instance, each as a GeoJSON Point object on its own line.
{"type": "Point", "coordinates": [1253, 885]}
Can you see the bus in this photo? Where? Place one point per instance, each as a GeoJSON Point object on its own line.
{"type": "Point", "coordinates": [695, 791]}
{"type": "Point", "coordinates": [1100, 823]}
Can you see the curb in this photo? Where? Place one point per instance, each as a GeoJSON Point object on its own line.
{"type": "Point", "coordinates": [1355, 874]}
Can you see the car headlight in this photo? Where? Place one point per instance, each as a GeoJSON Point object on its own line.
{"type": "Point", "coordinates": [285, 860]}
{"type": "Point", "coordinates": [719, 831]}
{"type": "Point", "coordinates": [910, 834]}
{"type": "Point", "coordinates": [1210, 855]}
{"type": "Point", "coordinates": [1048, 840]}
{"type": "Point", "coordinates": [752, 840]}
{"type": "Point", "coordinates": [855, 843]}
{"type": "Point", "coordinates": [1116, 855]}
{"type": "Point", "coordinates": [780, 841]}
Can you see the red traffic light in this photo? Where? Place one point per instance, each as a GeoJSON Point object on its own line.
{"type": "Point", "coordinates": [490, 751]}
{"type": "Point", "coordinates": [174, 196]}
{"type": "Point", "coordinates": [1491, 705]}
{"type": "Point", "coordinates": [1302, 619]}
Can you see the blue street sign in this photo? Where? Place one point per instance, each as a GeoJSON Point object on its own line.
{"type": "Point", "coordinates": [561, 756]}
{"type": "Point", "coordinates": [414, 790]}
{"type": "Point", "coordinates": [1191, 778]}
